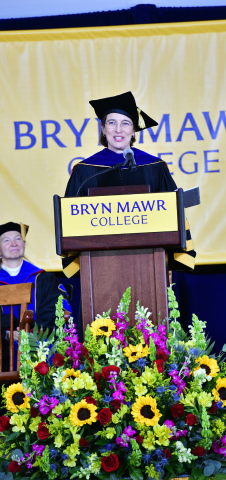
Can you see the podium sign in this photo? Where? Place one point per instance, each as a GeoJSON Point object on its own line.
{"type": "Point", "coordinates": [122, 235]}
{"type": "Point", "coordinates": [119, 214]}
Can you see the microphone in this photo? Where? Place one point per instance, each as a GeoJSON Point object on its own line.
{"type": "Point", "coordinates": [128, 154]}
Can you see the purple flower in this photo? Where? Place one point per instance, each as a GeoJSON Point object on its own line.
{"type": "Point", "coordinates": [170, 424]}
{"type": "Point", "coordinates": [46, 404]}
{"type": "Point", "coordinates": [129, 431]}
{"type": "Point", "coordinates": [38, 449]}
{"type": "Point", "coordinates": [118, 396]}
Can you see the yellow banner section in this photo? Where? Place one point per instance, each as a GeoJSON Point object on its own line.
{"type": "Point", "coordinates": [47, 78]}
{"type": "Point", "coordinates": [115, 214]}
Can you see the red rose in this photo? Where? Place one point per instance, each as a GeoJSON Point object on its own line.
{"type": "Point", "coordinates": [98, 376]}
{"type": "Point", "coordinates": [177, 410]}
{"type": "Point", "coordinates": [166, 453]}
{"type": "Point", "coordinates": [90, 399]}
{"type": "Point", "coordinates": [83, 443]}
{"type": "Point", "coordinates": [58, 360]}
{"type": "Point", "coordinates": [34, 412]}
{"type": "Point", "coordinates": [14, 467]}
{"type": "Point", "coordinates": [42, 368]}
{"type": "Point", "coordinates": [104, 416]}
{"type": "Point", "coordinates": [110, 463]}
{"type": "Point", "coordinates": [159, 365]}
{"type": "Point", "coordinates": [43, 431]}
{"type": "Point", "coordinates": [84, 351]}
{"type": "Point", "coordinates": [191, 419]}
{"type": "Point", "coordinates": [213, 408]}
{"type": "Point", "coordinates": [116, 404]}
{"type": "Point", "coordinates": [161, 355]}
{"type": "Point", "coordinates": [199, 451]}
{"type": "Point", "coordinates": [134, 370]}
{"type": "Point", "coordinates": [139, 439]}
{"type": "Point", "coordinates": [107, 370]}
{"type": "Point", "coordinates": [4, 423]}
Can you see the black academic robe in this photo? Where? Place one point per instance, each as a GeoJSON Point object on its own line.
{"type": "Point", "coordinates": [44, 298]}
{"type": "Point", "coordinates": [150, 171]}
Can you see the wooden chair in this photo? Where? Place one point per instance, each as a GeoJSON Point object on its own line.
{"type": "Point", "coordinates": [10, 295]}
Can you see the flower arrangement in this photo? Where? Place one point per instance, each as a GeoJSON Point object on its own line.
{"type": "Point", "coordinates": [129, 403]}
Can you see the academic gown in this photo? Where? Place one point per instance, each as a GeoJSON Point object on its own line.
{"type": "Point", "coordinates": [44, 297]}
{"type": "Point", "coordinates": [150, 171]}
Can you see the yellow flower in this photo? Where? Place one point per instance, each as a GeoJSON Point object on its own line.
{"type": "Point", "coordinates": [133, 352]}
{"type": "Point", "coordinates": [208, 364]}
{"type": "Point", "coordinates": [71, 373]}
{"type": "Point", "coordinates": [145, 411]}
{"type": "Point", "coordinates": [205, 399]}
{"type": "Point", "coordinates": [102, 326]}
{"type": "Point", "coordinates": [78, 384]}
{"type": "Point", "coordinates": [82, 413]}
{"type": "Point", "coordinates": [71, 452]}
{"type": "Point", "coordinates": [163, 434]}
{"type": "Point", "coordinates": [148, 376]}
{"type": "Point", "coordinates": [16, 397]}
{"type": "Point", "coordinates": [58, 442]}
{"type": "Point", "coordinates": [68, 378]}
{"type": "Point", "coordinates": [220, 391]}
{"type": "Point", "coordinates": [88, 381]}
{"type": "Point", "coordinates": [189, 399]}
{"type": "Point", "coordinates": [18, 421]}
{"type": "Point", "coordinates": [140, 390]}
{"type": "Point", "coordinates": [115, 418]}
{"type": "Point", "coordinates": [149, 441]}
{"type": "Point", "coordinates": [35, 423]}
{"type": "Point", "coordinates": [110, 432]}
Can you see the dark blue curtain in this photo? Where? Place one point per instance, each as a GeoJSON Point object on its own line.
{"type": "Point", "coordinates": [139, 14]}
{"type": "Point", "coordinates": [203, 292]}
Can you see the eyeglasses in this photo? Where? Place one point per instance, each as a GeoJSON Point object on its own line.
{"type": "Point", "coordinates": [123, 124]}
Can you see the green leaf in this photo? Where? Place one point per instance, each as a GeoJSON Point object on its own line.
{"type": "Point", "coordinates": [52, 336]}
{"type": "Point", "coordinates": [12, 436]}
{"type": "Point", "coordinates": [135, 473]}
{"type": "Point", "coordinates": [35, 475]}
{"type": "Point", "coordinates": [113, 477]}
{"type": "Point", "coordinates": [208, 470]}
{"type": "Point", "coordinates": [196, 472]}
{"type": "Point", "coordinates": [121, 469]}
{"type": "Point", "coordinates": [45, 335]}
{"type": "Point", "coordinates": [40, 333]}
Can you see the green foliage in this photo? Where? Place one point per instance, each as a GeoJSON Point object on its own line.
{"type": "Point", "coordinates": [125, 301]}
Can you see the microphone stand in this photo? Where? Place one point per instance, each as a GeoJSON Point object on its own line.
{"type": "Point", "coordinates": [106, 169]}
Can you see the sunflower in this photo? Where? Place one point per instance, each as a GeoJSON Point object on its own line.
{"type": "Point", "coordinates": [208, 364]}
{"type": "Point", "coordinates": [102, 326]}
{"type": "Point", "coordinates": [82, 413]}
{"type": "Point", "coordinates": [145, 411]}
{"type": "Point", "coordinates": [219, 392]}
{"type": "Point", "coordinates": [133, 352]}
{"type": "Point", "coordinates": [71, 373]}
{"type": "Point", "coordinates": [15, 397]}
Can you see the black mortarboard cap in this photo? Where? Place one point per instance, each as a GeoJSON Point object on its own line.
{"type": "Point", "coordinates": [126, 105]}
{"type": "Point", "coordinates": [14, 227]}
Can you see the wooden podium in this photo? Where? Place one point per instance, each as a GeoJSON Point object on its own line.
{"type": "Point", "coordinates": [111, 263]}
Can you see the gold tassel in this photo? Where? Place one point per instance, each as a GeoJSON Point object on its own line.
{"type": "Point", "coordinates": [23, 230]}
{"type": "Point", "coordinates": [141, 123]}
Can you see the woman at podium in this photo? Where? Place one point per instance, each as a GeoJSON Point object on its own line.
{"type": "Point", "coordinates": [120, 120]}
{"type": "Point", "coordinates": [119, 163]}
